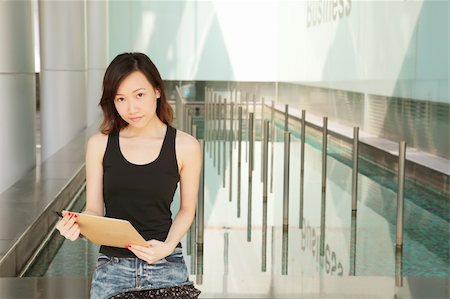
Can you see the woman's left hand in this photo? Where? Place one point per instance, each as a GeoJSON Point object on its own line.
{"type": "Point", "coordinates": [157, 250]}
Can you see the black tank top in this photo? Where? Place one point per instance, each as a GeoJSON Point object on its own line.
{"type": "Point", "coordinates": [141, 194]}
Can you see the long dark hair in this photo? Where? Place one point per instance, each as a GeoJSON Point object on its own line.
{"type": "Point", "coordinates": [121, 66]}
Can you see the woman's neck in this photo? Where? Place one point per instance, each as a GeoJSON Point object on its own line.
{"type": "Point", "coordinates": [153, 129]}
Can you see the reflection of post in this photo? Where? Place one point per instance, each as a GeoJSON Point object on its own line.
{"type": "Point", "coordinates": [200, 223]}
{"type": "Point", "coordinates": [285, 250]}
{"type": "Point", "coordinates": [324, 186]}
{"type": "Point", "coordinates": [239, 162]}
{"type": "Point", "coordinates": [225, 261]}
{"type": "Point", "coordinates": [398, 266]}
{"type": "Point", "coordinates": [287, 142]}
{"type": "Point", "coordinates": [264, 224]}
{"type": "Point", "coordinates": [250, 176]}
{"type": "Point", "coordinates": [353, 245]}
{"type": "Point", "coordinates": [355, 168]}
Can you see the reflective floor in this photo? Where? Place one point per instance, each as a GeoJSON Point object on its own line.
{"type": "Point", "coordinates": [359, 258]}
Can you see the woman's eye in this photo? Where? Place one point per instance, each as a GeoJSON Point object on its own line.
{"type": "Point", "coordinates": [140, 95]}
{"type": "Point", "coordinates": [120, 99]}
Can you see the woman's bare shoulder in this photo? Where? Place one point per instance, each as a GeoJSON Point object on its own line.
{"type": "Point", "coordinates": [186, 142]}
{"type": "Point", "coordinates": [97, 143]}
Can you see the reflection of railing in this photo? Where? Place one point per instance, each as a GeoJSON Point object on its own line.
{"type": "Point", "coordinates": [219, 128]}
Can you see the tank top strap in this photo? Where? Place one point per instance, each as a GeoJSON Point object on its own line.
{"type": "Point", "coordinates": [168, 147]}
{"type": "Point", "coordinates": [168, 151]}
{"type": "Point", "coordinates": [112, 147]}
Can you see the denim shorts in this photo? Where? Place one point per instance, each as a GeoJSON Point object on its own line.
{"type": "Point", "coordinates": [114, 275]}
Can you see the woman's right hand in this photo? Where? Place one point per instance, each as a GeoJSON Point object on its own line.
{"type": "Point", "coordinates": [68, 227]}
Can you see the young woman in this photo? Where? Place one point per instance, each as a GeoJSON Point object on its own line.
{"type": "Point", "coordinates": [133, 166]}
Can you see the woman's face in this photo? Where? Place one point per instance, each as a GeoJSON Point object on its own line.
{"type": "Point", "coordinates": [136, 100]}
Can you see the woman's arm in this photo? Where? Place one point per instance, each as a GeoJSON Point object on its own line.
{"type": "Point", "coordinates": [190, 160]}
{"type": "Point", "coordinates": [189, 183]}
{"type": "Point", "coordinates": [94, 183]}
{"type": "Point", "coordinates": [95, 151]}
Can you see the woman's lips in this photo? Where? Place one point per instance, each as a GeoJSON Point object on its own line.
{"type": "Point", "coordinates": [135, 119]}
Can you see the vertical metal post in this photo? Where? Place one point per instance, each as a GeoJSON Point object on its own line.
{"type": "Point", "coordinates": [262, 126]}
{"type": "Point", "coordinates": [286, 117]}
{"type": "Point", "coordinates": [192, 245]}
{"type": "Point", "coordinates": [251, 149]}
{"type": "Point", "coordinates": [302, 167]}
{"type": "Point", "coordinates": [272, 143]}
{"type": "Point", "coordinates": [192, 234]}
{"type": "Point", "coordinates": [201, 218]}
{"type": "Point", "coordinates": [262, 114]}
{"type": "Point", "coordinates": [239, 161]}
{"type": "Point", "coordinates": [210, 117]}
{"type": "Point", "coordinates": [287, 144]}
{"type": "Point", "coordinates": [355, 168]}
{"type": "Point", "coordinates": [231, 155]}
{"type": "Point", "coordinates": [219, 133]}
{"type": "Point", "coordinates": [232, 130]}
{"type": "Point", "coordinates": [324, 186]}
{"type": "Point", "coordinates": [263, 141]}
{"type": "Point", "coordinates": [225, 142]}
{"type": "Point", "coordinates": [262, 134]}
{"type": "Point", "coordinates": [250, 176]}
{"type": "Point", "coordinates": [186, 118]}
{"type": "Point", "coordinates": [231, 124]}
{"type": "Point", "coordinates": [400, 192]}
{"type": "Point", "coordinates": [254, 105]}
{"type": "Point", "coordinates": [214, 130]}
{"type": "Point", "coordinates": [206, 118]}
{"type": "Point", "coordinates": [264, 224]}
{"type": "Point", "coordinates": [247, 115]}
{"type": "Point", "coordinates": [210, 121]}
{"type": "Point", "coordinates": [189, 126]}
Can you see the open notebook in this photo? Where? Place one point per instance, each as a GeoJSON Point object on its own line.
{"type": "Point", "coordinates": [108, 231]}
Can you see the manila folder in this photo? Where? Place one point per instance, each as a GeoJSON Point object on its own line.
{"type": "Point", "coordinates": [108, 231]}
